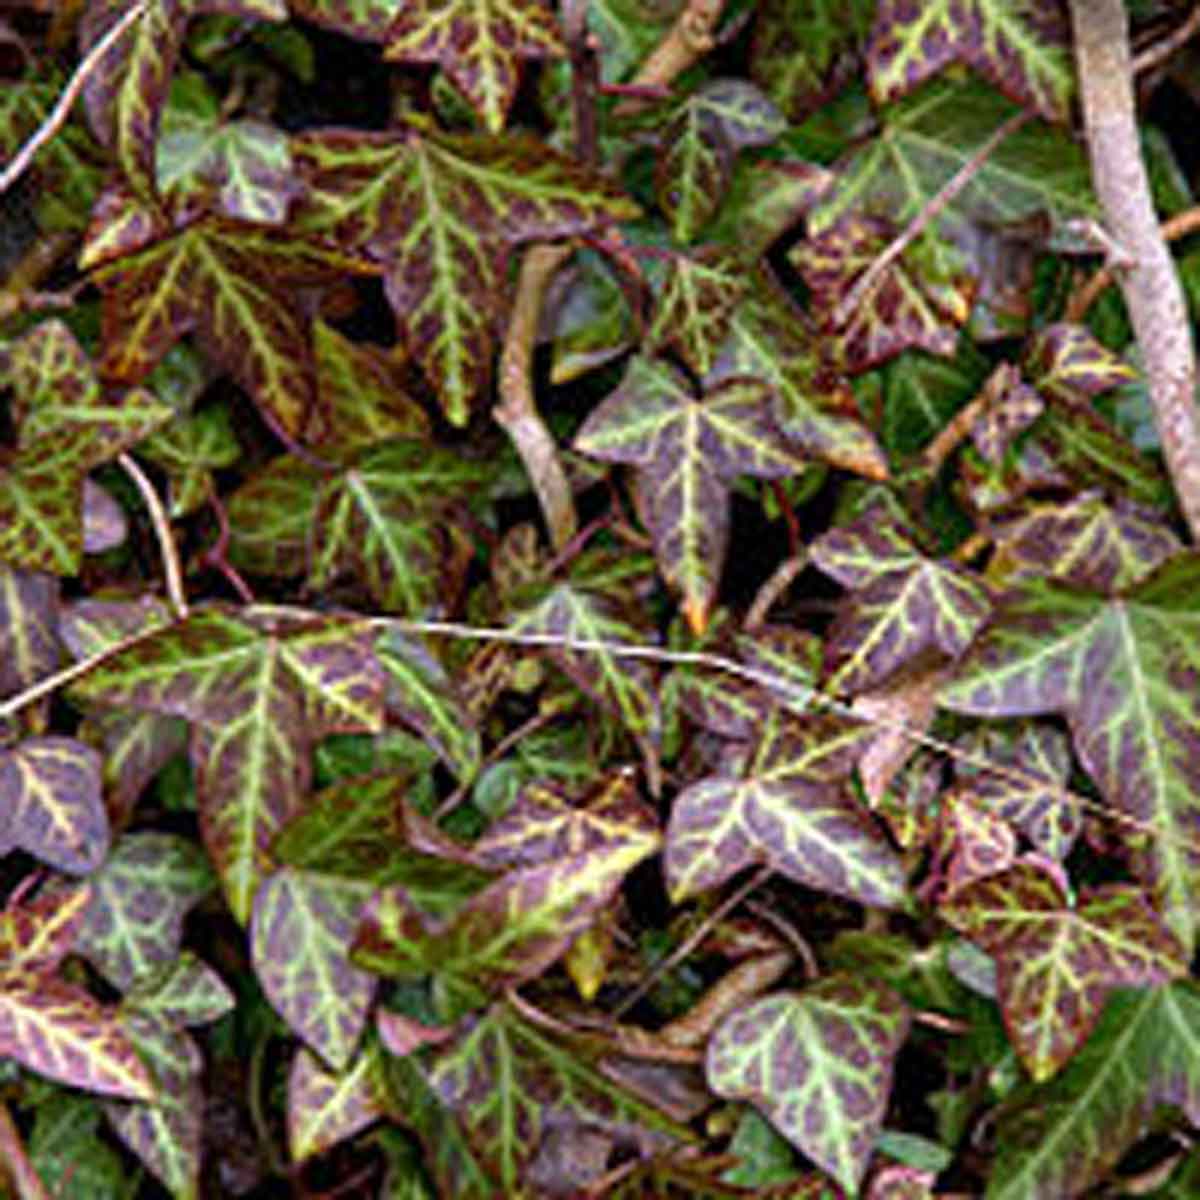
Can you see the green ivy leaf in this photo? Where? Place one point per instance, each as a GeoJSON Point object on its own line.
{"type": "Point", "coordinates": [271, 517]}
{"type": "Point", "coordinates": [478, 45]}
{"type": "Point", "coordinates": [440, 213]}
{"type": "Point", "coordinates": [687, 450]}
{"type": "Point", "coordinates": [1055, 963]}
{"type": "Point", "coordinates": [1057, 1139]}
{"type": "Point", "coordinates": [818, 1065]}
{"type": "Point", "coordinates": [1117, 669]}
{"type": "Point", "coordinates": [902, 604]}
{"type": "Point", "coordinates": [367, 19]}
{"type": "Point", "coordinates": [66, 1149]}
{"type": "Point", "coordinates": [788, 808]}
{"type": "Point", "coordinates": [299, 943]}
{"type": "Point", "coordinates": [1022, 49]}
{"type": "Point", "coordinates": [259, 688]}
{"type": "Point", "coordinates": [189, 449]}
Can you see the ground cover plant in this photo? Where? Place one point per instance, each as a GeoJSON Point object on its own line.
{"type": "Point", "coordinates": [599, 600]}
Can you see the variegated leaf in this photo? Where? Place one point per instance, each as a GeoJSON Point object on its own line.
{"type": "Point", "coordinates": [300, 935]}
{"type": "Point", "coordinates": [325, 1108]}
{"type": "Point", "coordinates": [818, 1064]}
{"type": "Point", "coordinates": [1055, 962]}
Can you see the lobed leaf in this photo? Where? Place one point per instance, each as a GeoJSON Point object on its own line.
{"type": "Point", "coordinates": [818, 1064]}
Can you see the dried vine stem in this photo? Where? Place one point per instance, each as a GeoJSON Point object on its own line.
{"type": "Point", "coordinates": [162, 531]}
{"type": "Point", "coordinates": [62, 109]}
{"type": "Point", "coordinates": [1152, 56]}
{"type": "Point", "coordinates": [870, 279]}
{"type": "Point", "coordinates": [517, 411]}
{"type": "Point", "coordinates": [688, 40]}
{"type": "Point", "coordinates": [1151, 287]}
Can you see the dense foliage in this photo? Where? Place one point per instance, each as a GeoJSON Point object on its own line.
{"type": "Point", "coordinates": [589, 606]}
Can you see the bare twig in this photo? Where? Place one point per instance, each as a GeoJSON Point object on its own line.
{"type": "Point", "coordinates": [781, 579]}
{"type": "Point", "coordinates": [62, 109]}
{"type": "Point", "coordinates": [14, 1162]}
{"type": "Point", "coordinates": [517, 411]}
{"type": "Point", "coordinates": [870, 279]}
{"type": "Point", "coordinates": [585, 77]}
{"type": "Point", "coordinates": [162, 531]}
{"type": "Point", "coordinates": [1159, 52]}
{"type": "Point", "coordinates": [1151, 287]}
{"type": "Point", "coordinates": [688, 40]}
{"type": "Point", "coordinates": [1177, 227]}
{"type": "Point", "coordinates": [694, 939]}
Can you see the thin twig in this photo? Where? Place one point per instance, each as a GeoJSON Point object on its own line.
{"type": "Point", "coordinates": [1151, 287]}
{"type": "Point", "coordinates": [1176, 227]}
{"type": "Point", "coordinates": [585, 77]}
{"type": "Point", "coordinates": [1159, 52]}
{"type": "Point", "coordinates": [790, 934]}
{"type": "Point", "coordinates": [517, 411]}
{"type": "Point", "coordinates": [62, 109]}
{"type": "Point", "coordinates": [694, 939]}
{"type": "Point", "coordinates": [162, 530]}
{"type": "Point", "coordinates": [14, 1161]}
{"type": "Point", "coordinates": [688, 40]}
{"type": "Point", "coordinates": [780, 580]}
{"type": "Point", "coordinates": [870, 279]}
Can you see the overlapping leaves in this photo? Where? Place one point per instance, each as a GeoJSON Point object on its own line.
{"type": "Point", "coordinates": [1118, 668]}
{"type": "Point", "coordinates": [440, 214]}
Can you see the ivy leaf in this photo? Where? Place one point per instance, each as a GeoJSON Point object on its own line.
{"type": "Point", "coordinates": [386, 518]}
{"type": "Point", "coordinates": [29, 602]}
{"type": "Point", "coordinates": [1085, 542]}
{"type": "Point", "coordinates": [696, 305]}
{"type": "Point", "coordinates": [140, 897]}
{"type": "Point", "coordinates": [235, 288]}
{"type": "Point", "coordinates": [1056, 964]}
{"type": "Point", "coordinates": [126, 93]}
{"type": "Point", "coordinates": [271, 517]}
{"type": "Point", "coordinates": [790, 809]}
{"type": "Point", "coordinates": [1059, 1138]}
{"type": "Point", "coordinates": [688, 449]}
{"type": "Point", "coordinates": [259, 688]}
{"type": "Point", "coordinates": [700, 144]}
{"type": "Point", "coordinates": [1021, 49]}
{"type": "Point", "coordinates": [1067, 362]}
{"type": "Point", "coordinates": [421, 693]}
{"type": "Point", "coordinates": [818, 1065]}
{"type": "Point", "coordinates": [477, 45]}
{"type": "Point", "coordinates": [917, 301]}
{"type": "Point", "coordinates": [66, 1148]}
{"type": "Point", "coordinates": [52, 805]}
{"type": "Point", "coordinates": [299, 937]}
{"type": "Point", "coordinates": [1118, 669]}
{"type": "Point", "coordinates": [58, 1030]}
{"type": "Point", "coordinates": [804, 50]}
{"type": "Point", "coordinates": [1010, 406]}
{"type": "Point", "coordinates": [926, 138]}
{"type": "Point", "coordinates": [366, 19]}
{"type": "Point", "coordinates": [440, 213]}
{"type": "Point", "coordinates": [512, 930]}
{"type": "Point", "coordinates": [543, 824]}
{"type": "Point", "coordinates": [184, 992]}
{"type": "Point", "coordinates": [816, 410]}
{"type": "Point", "coordinates": [509, 1084]}
{"type": "Point", "coordinates": [42, 481]}
{"type": "Point", "coordinates": [189, 449]}
{"type": "Point", "coordinates": [37, 935]}
{"type": "Point", "coordinates": [325, 1108]}
{"type": "Point", "coordinates": [1035, 801]}
{"type": "Point", "coordinates": [582, 630]}
{"type": "Point", "coordinates": [903, 604]}
{"type": "Point", "coordinates": [203, 163]}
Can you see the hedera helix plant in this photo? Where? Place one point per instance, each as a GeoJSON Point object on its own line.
{"type": "Point", "coordinates": [598, 600]}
